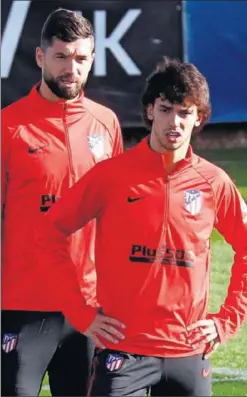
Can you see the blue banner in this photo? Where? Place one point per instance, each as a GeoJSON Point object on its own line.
{"type": "Point", "coordinates": [215, 40]}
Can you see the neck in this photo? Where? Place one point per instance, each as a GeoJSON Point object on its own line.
{"type": "Point", "coordinates": [171, 157]}
{"type": "Point", "coordinates": [46, 93]}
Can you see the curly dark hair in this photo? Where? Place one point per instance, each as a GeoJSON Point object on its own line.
{"type": "Point", "coordinates": [65, 25]}
{"type": "Point", "coordinates": [180, 83]}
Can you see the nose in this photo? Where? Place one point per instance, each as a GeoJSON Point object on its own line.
{"type": "Point", "coordinates": [71, 67]}
{"type": "Point", "coordinates": [175, 119]}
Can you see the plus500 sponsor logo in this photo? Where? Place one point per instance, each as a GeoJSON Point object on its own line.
{"type": "Point", "coordinates": [163, 255]}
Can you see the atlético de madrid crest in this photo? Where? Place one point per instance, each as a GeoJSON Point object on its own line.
{"type": "Point", "coordinates": [114, 361]}
{"type": "Point", "coordinates": [96, 144]}
{"type": "Point", "coordinates": [193, 201]}
{"type": "Point", "coordinates": [9, 342]}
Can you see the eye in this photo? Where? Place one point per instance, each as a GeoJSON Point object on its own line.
{"type": "Point", "coordinates": [185, 112]}
{"type": "Point", "coordinates": [81, 59]}
{"type": "Point", "coordinates": [60, 56]}
{"type": "Point", "coordinates": [165, 110]}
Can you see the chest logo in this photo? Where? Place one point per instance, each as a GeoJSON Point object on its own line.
{"type": "Point", "coordinates": [193, 201]}
{"type": "Point", "coordinates": [96, 145]}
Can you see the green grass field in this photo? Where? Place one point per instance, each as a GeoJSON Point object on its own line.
{"type": "Point", "coordinates": [230, 360]}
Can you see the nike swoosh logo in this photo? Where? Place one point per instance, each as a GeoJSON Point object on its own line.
{"type": "Point", "coordinates": [133, 199]}
{"type": "Point", "coordinates": [35, 149]}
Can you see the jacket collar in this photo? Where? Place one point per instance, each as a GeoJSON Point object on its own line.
{"type": "Point", "coordinates": [62, 108]}
{"type": "Point", "coordinates": [154, 159]}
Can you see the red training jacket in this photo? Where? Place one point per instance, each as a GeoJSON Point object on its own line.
{"type": "Point", "coordinates": [152, 248]}
{"type": "Point", "coordinates": [46, 148]}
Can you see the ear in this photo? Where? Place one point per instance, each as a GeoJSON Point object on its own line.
{"type": "Point", "coordinates": [150, 109]}
{"type": "Point", "coordinates": [92, 59]}
{"type": "Point", "coordinates": [199, 120]}
{"type": "Point", "coordinates": [39, 55]}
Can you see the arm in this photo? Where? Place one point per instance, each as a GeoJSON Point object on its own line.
{"type": "Point", "coordinates": [81, 204]}
{"type": "Point", "coordinates": [5, 149]}
{"type": "Point", "coordinates": [232, 224]}
{"type": "Point", "coordinates": [118, 139]}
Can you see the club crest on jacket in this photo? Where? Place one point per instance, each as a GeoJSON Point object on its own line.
{"type": "Point", "coordinates": [193, 201]}
{"type": "Point", "coordinates": [96, 145]}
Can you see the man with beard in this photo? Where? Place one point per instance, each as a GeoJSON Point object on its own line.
{"type": "Point", "coordinates": [51, 138]}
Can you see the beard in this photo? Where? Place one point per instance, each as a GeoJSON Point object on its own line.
{"type": "Point", "coordinates": [58, 89]}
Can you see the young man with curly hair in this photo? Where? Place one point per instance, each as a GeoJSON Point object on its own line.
{"type": "Point", "coordinates": [156, 206]}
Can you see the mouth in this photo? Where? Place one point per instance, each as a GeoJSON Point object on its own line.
{"type": "Point", "coordinates": [173, 135]}
{"type": "Point", "coordinates": [68, 82]}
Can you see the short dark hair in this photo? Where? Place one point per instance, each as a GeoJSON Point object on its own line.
{"type": "Point", "coordinates": [65, 25]}
{"type": "Point", "coordinates": [178, 82]}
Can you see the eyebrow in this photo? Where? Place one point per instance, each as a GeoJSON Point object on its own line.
{"type": "Point", "coordinates": [67, 54]}
{"type": "Point", "coordinates": [163, 105]}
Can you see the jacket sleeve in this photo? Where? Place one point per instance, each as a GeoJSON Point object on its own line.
{"type": "Point", "coordinates": [5, 150]}
{"type": "Point", "coordinates": [232, 224]}
{"type": "Point", "coordinates": [117, 138]}
{"type": "Point", "coordinates": [78, 206]}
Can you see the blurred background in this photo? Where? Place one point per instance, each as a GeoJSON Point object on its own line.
{"type": "Point", "coordinates": [130, 38]}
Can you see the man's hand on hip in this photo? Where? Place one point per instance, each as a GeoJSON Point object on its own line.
{"type": "Point", "coordinates": [105, 327]}
{"type": "Point", "coordinates": [204, 331]}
